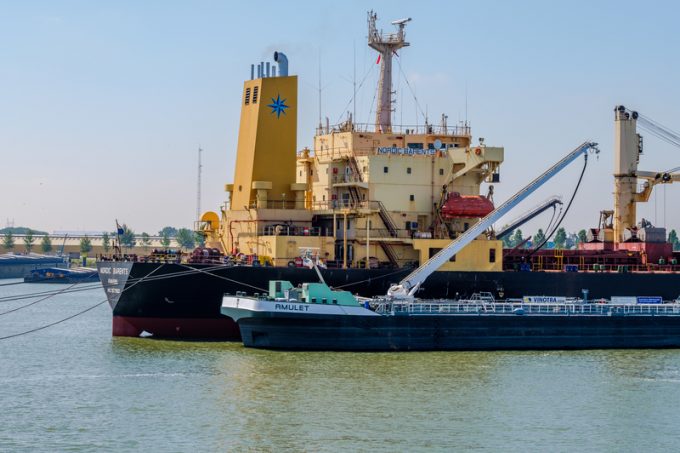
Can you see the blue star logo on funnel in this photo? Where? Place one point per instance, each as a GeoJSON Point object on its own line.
{"type": "Point", "coordinates": [278, 106]}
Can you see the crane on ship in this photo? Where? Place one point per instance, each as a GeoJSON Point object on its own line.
{"type": "Point", "coordinates": [628, 145]}
{"type": "Point", "coordinates": [667, 135]}
{"type": "Point", "coordinates": [551, 202]}
{"type": "Point", "coordinates": [407, 288]}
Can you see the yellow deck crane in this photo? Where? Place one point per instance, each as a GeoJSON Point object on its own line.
{"type": "Point", "coordinates": [628, 145]}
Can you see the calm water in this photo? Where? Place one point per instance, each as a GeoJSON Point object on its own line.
{"type": "Point", "coordinates": [74, 388]}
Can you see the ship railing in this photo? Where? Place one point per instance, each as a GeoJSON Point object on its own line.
{"type": "Point", "coordinates": [406, 129]}
{"type": "Point", "coordinates": [331, 205]}
{"type": "Point", "coordinates": [293, 230]}
{"type": "Point", "coordinates": [546, 309]}
{"type": "Point", "coordinates": [281, 204]}
{"type": "Point", "coordinates": [346, 178]}
{"type": "Point", "coordinates": [595, 267]}
{"type": "Point", "coordinates": [376, 233]}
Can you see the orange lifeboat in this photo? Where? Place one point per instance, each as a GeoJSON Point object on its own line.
{"type": "Point", "coordinates": [466, 206]}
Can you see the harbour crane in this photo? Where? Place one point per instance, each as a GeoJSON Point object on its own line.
{"type": "Point", "coordinates": [407, 288]}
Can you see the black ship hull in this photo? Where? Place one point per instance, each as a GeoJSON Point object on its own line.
{"type": "Point", "coordinates": [183, 301]}
{"type": "Point", "coordinates": [457, 332]}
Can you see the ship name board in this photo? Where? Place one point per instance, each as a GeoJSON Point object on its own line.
{"type": "Point", "coordinates": [291, 307]}
{"type": "Point", "coordinates": [544, 300]}
{"type": "Point", "coordinates": [406, 151]}
{"type": "Point", "coordinates": [114, 270]}
{"type": "Point", "coordinates": [649, 300]}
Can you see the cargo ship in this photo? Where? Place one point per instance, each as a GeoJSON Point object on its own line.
{"type": "Point", "coordinates": [368, 203]}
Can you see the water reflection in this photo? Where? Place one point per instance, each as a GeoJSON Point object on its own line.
{"type": "Point", "coordinates": [281, 398]}
{"type": "Point", "coordinates": [249, 399]}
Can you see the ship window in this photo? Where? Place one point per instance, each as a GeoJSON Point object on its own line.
{"type": "Point", "coordinates": [324, 198]}
{"type": "Point", "coordinates": [430, 146]}
{"type": "Point", "coordinates": [441, 172]}
{"type": "Point", "coordinates": [364, 196]}
{"type": "Point", "coordinates": [492, 255]}
{"type": "Point", "coordinates": [466, 226]}
{"type": "Point", "coordinates": [385, 169]}
{"type": "Point", "coordinates": [408, 170]}
{"type": "Point", "coordinates": [240, 188]}
{"type": "Point", "coordinates": [247, 96]}
{"type": "Point", "coordinates": [365, 169]}
{"type": "Point", "coordinates": [255, 90]}
{"type": "Point", "coordinates": [335, 301]}
{"type": "Point", "coordinates": [313, 300]}
{"type": "Point", "coordinates": [412, 197]}
{"type": "Point", "coordinates": [434, 251]}
{"type": "Point", "coordinates": [324, 301]}
{"type": "Point", "coordinates": [415, 145]}
{"type": "Point", "coordinates": [300, 172]}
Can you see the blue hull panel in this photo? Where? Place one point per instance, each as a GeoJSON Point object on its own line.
{"type": "Point", "coordinates": [458, 332]}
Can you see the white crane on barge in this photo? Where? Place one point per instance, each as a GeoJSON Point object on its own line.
{"type": "Point", "coordinates": [407, 288]}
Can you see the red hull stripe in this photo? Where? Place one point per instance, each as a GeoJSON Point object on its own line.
{"type": "Point", "coordinates": [198, 328]}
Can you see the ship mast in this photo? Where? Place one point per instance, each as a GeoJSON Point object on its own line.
{"type": "Point", "coordinates": [387, 46]}
{"type": "Point", "coordinates": [198, 186]}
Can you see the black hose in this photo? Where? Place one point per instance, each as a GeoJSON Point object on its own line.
{"type": "Point", "coordinates": [566, 210]}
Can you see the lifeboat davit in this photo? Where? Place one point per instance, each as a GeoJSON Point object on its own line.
{"type": "Point", "coordinates": [466, 206]}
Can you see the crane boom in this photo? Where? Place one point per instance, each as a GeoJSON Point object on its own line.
{"type": "Point", "coordinates": [529, 215]}
{"type": "Point", "coordinates": [410, 284]}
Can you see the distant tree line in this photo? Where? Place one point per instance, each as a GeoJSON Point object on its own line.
{"type": "Point", "coordinates": [563, 240]}
{"type": "Point", "coordinates": [560, 240]}
{"type": "Point", "coordinates": [185, 238]}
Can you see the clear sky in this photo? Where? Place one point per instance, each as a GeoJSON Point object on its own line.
{"type": "Point", "coordinates": [104, 104]}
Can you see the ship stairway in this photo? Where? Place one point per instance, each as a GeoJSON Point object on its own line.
{"type": "Point", "coordinates": [387, 219]}
{"type": "Point", "coordinates": [354, 166]}
{"type": "Point", "coordinates": [389, 252]}
{"type": "Point", "coordinates": [356, 175]}
{"type": "Point", "coordinates": [354, 194]}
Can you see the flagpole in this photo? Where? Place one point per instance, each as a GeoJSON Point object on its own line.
{"type": "Point", "coordinates": [118, 233]}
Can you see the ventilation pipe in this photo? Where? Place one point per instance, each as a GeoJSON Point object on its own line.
{"type": "Point", "coordinates": [282, 61]}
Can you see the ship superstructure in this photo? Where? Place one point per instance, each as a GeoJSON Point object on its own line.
{"type": "Point", "coordinates": [365, 195]}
